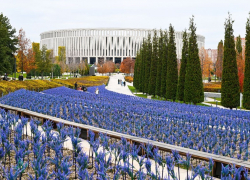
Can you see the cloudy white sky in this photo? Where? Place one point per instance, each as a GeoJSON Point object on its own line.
{"type": "Point", "coordinates": [36, 16]}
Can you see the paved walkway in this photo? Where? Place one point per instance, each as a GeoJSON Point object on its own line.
{"type": "Point", "coordinates": [114, 86]}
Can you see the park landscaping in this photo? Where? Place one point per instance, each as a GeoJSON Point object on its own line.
{"type": "Point", "coordinates": [40, 85]}
{"type": "Point", "coordinates": [212, 130]}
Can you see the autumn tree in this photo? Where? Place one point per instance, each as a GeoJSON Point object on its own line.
{"type": "Point", "coordinates": [219, 62]}
{"type": "Point", "coordinates": [23, 47]}
{"type": "Point", "coordinates": [230, 90]}
{"type": "Point", "coordinates": [184, 56]}
{"type": "Point", "coordinates": [30, 61]}
{"type": "Point", "coordinates": [193, 89]}
{"type": "Point", "coordinates": [44, 61]}
{"type": "Point", "coordinates": [127, 65]}
{"type": "Point", "coordinates": [110, 66]}
{"type": "Point", "coordinates": [240, 62]}
{"type": "Point", "coordinates": [62, 58]}
{"type": "Point", "coordinates": [246, 93]}
{"type": "Point", "coordinates": [102, 68]}
{"type": "Point", "coordinates": [206, 63]}
{"type": "Point", "coordinates": [8, 42]}
{"type": "Point", "coordinates": [81, 67]}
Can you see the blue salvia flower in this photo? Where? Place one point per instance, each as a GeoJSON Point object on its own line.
{"type": "Point", "coordinates": [245, 173]}
{"type": "Point", "coordinates": [148, 165]}
{"type": "Point", "coordinates": [82, 161]}
{"type": "Point", "coordinates": [170, 166]}
{"type": "Point", "coordinates": [2, 153]}
{"type": "Point", "coordinates": [11, 174]}
{"type": "Point", "coordinates": [117, 172]}
{"type": "Point", "coordinates": [225, 172]}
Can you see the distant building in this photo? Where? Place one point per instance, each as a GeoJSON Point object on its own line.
{"type": "Point", "coordinates": [100, 44]}
{"type": "Point", "coordinates": [243, 42]}
{"type": "Point", "coordinates": [212, 53]}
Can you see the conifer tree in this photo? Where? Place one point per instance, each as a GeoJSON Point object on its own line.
{"type": "Point", "coordinates": [153, 68]}
{"type": "Point", "coordinates": [230, 89]}
{"type": "Point", "coordinates": [147, 65]}
{"type": "Point", "coordinates": [159, 65]}
{"type": "Point", "coordinates": [164, 64]}
{"type": "Point", "coordinates": [142, 73]}
{"type": "Point", "coordinates": [184, 56]}
{"type": "Point", "coordinates": [193, 88]}
{"type": "Point", "coordinates": [238, 45]}
{"type": "Point", "coordinates": [172, 72]}
{"type": "Point", "coordinates": [246, 86]}
{"type": "Point", "coordinates": [137, 70]}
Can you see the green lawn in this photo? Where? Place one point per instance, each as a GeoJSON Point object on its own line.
{"type": "Point", "coordinates": [132, 89]}
{"type": "Point", "coordinates": [17, 75]}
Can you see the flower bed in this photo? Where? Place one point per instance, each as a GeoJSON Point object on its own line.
{"type": "Point", "coordinates": [40, 85]}
{"type": "Point", "coordinates": [212, 87]}
{"type": "Point", "coordinates": [43, 156]}
{"type": "Point", "coordinates": [205, 129]}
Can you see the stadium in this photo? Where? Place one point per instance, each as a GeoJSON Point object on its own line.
{"type": "Point", "coordinates": [103, 43]}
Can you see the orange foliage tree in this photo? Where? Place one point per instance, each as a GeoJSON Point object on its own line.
{"type": "Point", "coordinates": [107, 67]}
{"type": "Point", "coordinates": [219, 61]}
{"type": "Point", "coordinates": [240, 57]}
{"type": "Point", "coordinates": [23, 49]}
{"type": "Point", "coordinates": [127, 65]}
{"type": "Point", "coordinates": [206, 63]}
{"type": "Point", "coordinates": [30, 61]}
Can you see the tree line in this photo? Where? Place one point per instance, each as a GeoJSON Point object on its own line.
{"type": "Point", "coordinates": [156, 67]}
{"type": "Point", "coordinates": [17, 53]}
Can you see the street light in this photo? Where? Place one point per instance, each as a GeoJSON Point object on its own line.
{"type": "Point", "coordinates": [215, 73]}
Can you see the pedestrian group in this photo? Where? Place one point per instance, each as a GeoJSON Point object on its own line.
{"type": "Point", "coordinates": [123, 83]}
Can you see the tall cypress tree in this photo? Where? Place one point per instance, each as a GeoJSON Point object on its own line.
{"type": "Point", "coordinates": [147, 65]}
{"type": "Point", "coordinates": [193, 89]}
{"type": "Point", "coordinates": [246, 86]}
{"type": "Point", "coordinates": [184, 56]}
{"type": "Point", "coordinates": [230, 89]}
{"type": "Point", "coordinates": [238, 45]}
{"type": "Point", "coordinates": [137, 70]}
{"type": "Point", "coordinates": [142, 68]}
{"type": "Point", "coordinates": [172, 72]}
{"type": "Point", "coordinates": [164, 64]}
{"type": "Point", "coordinates": [159, 65]}
{"type": "Point", "coordinates": [153, 68]}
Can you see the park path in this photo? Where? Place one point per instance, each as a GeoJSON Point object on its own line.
{"type": "Point", "coordinates": [115, 87]}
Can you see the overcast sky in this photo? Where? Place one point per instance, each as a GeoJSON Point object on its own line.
{"type": "Point", "coordinates": [36, 16]}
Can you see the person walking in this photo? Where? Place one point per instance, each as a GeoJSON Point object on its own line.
{"type": "Point", "coordinates": [118, 81]}
{"type": "Point", "coordinates": [97, 91]}
{"type": "Point", "coordinates": [76, 86]}
{"type": "Point", "coordinates": [124, 83]}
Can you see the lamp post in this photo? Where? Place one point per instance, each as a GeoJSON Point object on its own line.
{"type": "Point", "coordinates": [215, 73]}
{"type": "Point", "coordinates": [15, 66]}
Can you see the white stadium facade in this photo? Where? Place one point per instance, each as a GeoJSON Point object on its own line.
{"type": "Point", "coordinates": [102, 43]}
